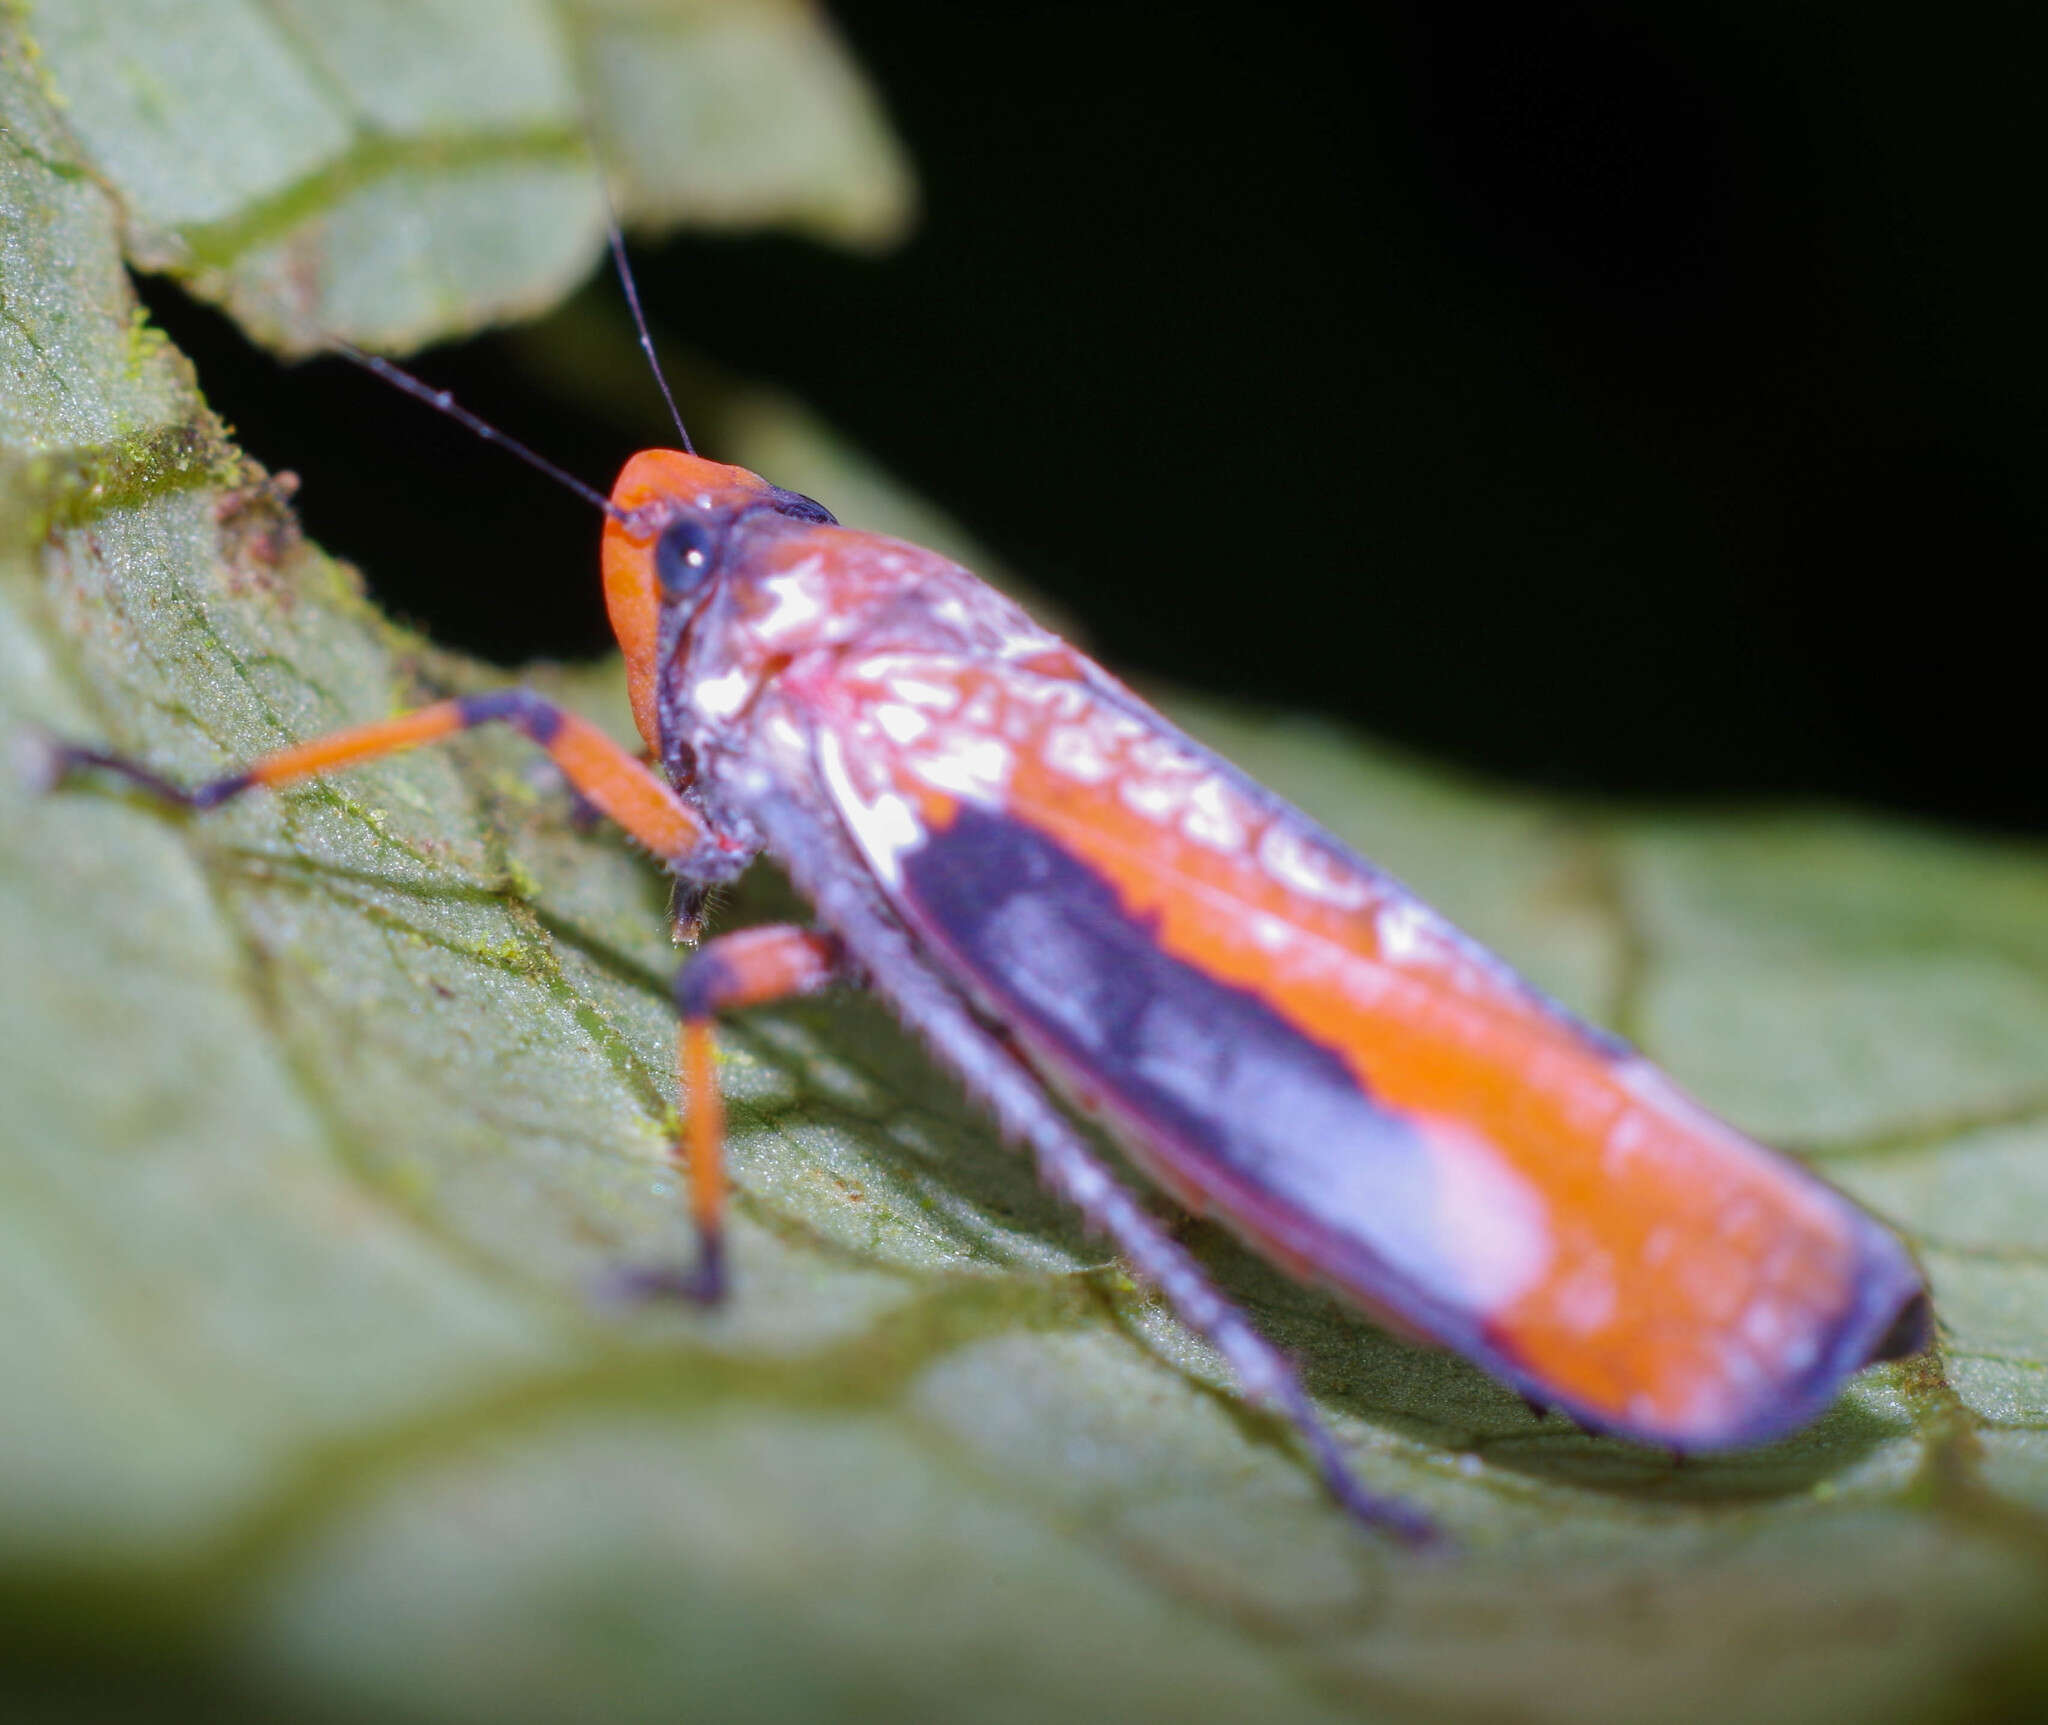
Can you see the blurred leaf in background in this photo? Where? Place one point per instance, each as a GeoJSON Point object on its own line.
{"type": "Point", "coordinates": [397, 171]}
{"type": "Point", "coordinates": [318, 1116]}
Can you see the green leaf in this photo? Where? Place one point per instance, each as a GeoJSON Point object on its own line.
{"type": "Point", "coordinates": [319, 1115]}
{"type": "Point", "coordinates": [394, 171]}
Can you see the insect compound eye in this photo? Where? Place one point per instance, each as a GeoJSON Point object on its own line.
{"type": "Point", "coordinates": [684, 556]}
{"type": "Point", "coordinates": [801, 508]}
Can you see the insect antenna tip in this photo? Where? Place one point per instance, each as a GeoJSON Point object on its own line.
{"type": "Point", "coordinates": [632, 291]}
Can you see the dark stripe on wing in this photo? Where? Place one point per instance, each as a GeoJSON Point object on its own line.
{"type": "Point", "coordinates": [1207, 1073]}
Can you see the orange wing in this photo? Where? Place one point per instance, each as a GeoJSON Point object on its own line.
{"type": "Point", "coordinates": [1289, 1040]}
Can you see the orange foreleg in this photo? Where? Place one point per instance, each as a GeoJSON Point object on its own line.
{"type": "Point", "coordinates": [608, 777]}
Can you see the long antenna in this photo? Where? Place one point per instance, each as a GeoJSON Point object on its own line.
{"type": "Point", "coordinates": [441, 401]}
{"type": "Point", "coordinates": [611, 223]}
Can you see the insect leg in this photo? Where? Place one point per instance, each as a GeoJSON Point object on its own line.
{"type": "Point", "coordinates": [1017, 1097]}
{"type": "Point", "coordinates": [602, 773]}
{"type": "Point", "coordinates": [747, 968]}
{"type": "Point", "coordinates": [689, 902]}
{"type": "Point", "coordinates": [1073, 1170]}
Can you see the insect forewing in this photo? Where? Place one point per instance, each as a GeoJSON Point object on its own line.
{"type": "Point", "coordinates": [1288, 1039]}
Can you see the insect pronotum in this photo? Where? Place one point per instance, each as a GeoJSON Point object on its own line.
{"type": "Point", "coordinates": [1063, 893]}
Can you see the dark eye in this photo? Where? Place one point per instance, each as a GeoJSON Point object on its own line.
{"type": "Point", "coordinates": [684, 555]}
{"type": "Point", "coordinates": [802, 508]}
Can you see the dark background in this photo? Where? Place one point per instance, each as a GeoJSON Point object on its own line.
{"type": "Point", "coordinates": [1619, 397]}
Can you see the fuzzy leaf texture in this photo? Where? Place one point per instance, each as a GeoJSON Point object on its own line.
{"type": "Point", "coordinates": [320, 1115]}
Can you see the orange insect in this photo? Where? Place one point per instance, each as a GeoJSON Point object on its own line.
{"type": "Point", "coordinates": [1059, 891]}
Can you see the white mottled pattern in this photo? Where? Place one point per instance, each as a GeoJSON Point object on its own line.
{"type": "Point", "coordinates": [1271, 932]}
{"type": "Point", "coordinates": [1302, 866]}
{"type": "Point", "coordinates": [718, 698]}
{"type": "Point", "coordinates": [798, 601]}
{"type": "Point", "coordinates": [964, 765]}
{"type": "Point", "coordinates": [1075, 753]}
{"type": "Point", "coordinates": [1150, 798]}
{"type": "Point", "coordinates": [1632, 1132]}
{"type": "Point", "coordinates": [916, 692]}
{"type": "Point", "coordinates": [901, 724]}
{"type": "Point", "coordinates": [1491, 1218]}
{"type": "Point", "coordinates": [1212, 817]}
{"type": "Point", "coordinates": [1404, 929]}
{"type": "Point", "coordinates": [884, 826]}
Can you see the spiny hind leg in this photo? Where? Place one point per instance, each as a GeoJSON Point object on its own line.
{"type": "Point", "coordinates": [1074, 1171]}
{"type": "Point", "coordinates": [993, 1072]}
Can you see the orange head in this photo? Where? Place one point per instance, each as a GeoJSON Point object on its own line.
{"type": "Point", "coordinates": [656, 489]}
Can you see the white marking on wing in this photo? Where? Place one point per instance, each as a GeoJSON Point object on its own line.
{"type": "Point", "coordinates": [1404, 929]}
{"type": "Point", "coordinates": [721, 697]}
{"type": "Point", "coordinates": [1304, 868]}
{"type": "Point", "coordinates": [884, 828]}
{"type": "Point", "coordinates": [1073, 751]}
{"type": "Point", "coordinates": [797, 604]}
{"type": "Point", "coordinates": [1492, 1221]}
{"type": "Point", "coordinates": [1150, 798]}
{"type": "Point", "coordinates": [969, 766]}
{"type": "Point", "coordinates": [1211, 819]}
{"type": "Point", "coordinates": [937, 696]}
{"type": "Point", "coordinates": [901, 724]}
{"type": "Point", "coordinates": [1270, 932]}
